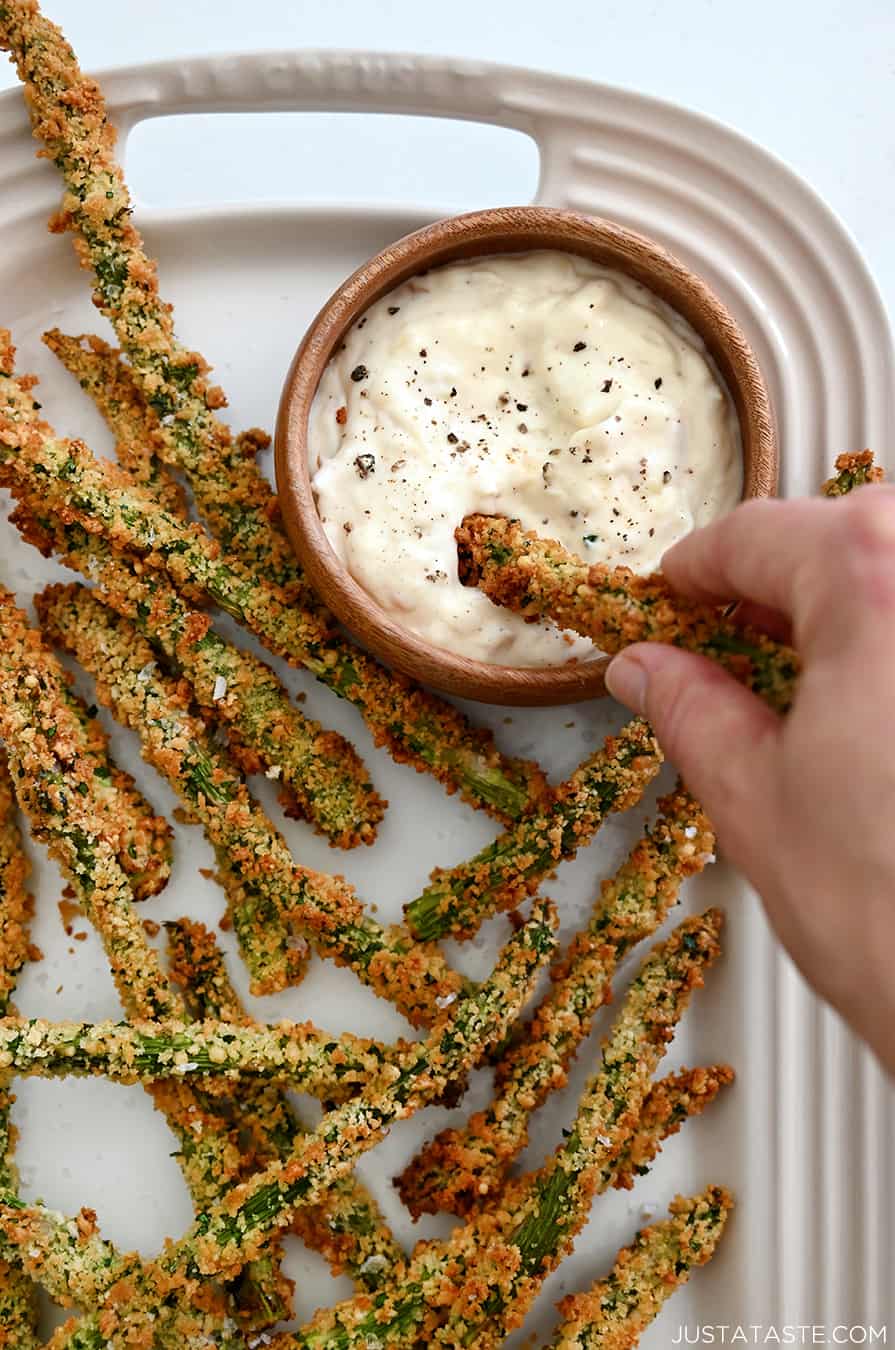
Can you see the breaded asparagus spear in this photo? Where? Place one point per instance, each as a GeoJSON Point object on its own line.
{"type": "Point", "coordinates": [18, 1304]}
{"type": "Point", "coordinates": [322, 776]}
{"type": "Point", "coordinates": [852, 470]}
{"type": "Point", "coordinates": [473, 1287]}
{"type": "Point", "coordinates": [458, 899]}
{"type": "Point", "coordinates": [617, 1310]}
{"type": "Point", "coordinates": [70, 1259]}
{"type": "Point", "coordinates": [332, 1067]}
{"type": "Point", "coordinates": [417, 727]}
{"type": "Point", "coordinates": [67, 1256]}
{"type": "Point", "coordinates": [460, 1168]}
{"type": "Point", "coordinates": [347, 1229]}
{"type": "Point", "coordinates": [237, 1230]}
{"type": "Point", "coordinates": [669, 1103]}
{"type": "Point", "coordinates": [539, 579]}
{"type": "Point", "coordinates": [413, 976]}
{"type": "Point", "coordinates": [142, 838]}
{"type": "Point", "coordinates": [55, 786]}
{"type": "Point", "coordinates": [274, 959]}
{"type": "Point", "coordinates": [107, 381]}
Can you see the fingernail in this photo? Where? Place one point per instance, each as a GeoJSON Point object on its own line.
{"type": "Point", "coordinates": [627, 680]}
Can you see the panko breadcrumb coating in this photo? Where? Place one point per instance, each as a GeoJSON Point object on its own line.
{"type": "Point", "coordinates": [460, 1169]}
{"type": "Point", "coordinates": [459, 899]}
{"type": "Point", "coordinates": [321, 775]}
{"type": "Point", "coordinates": [539, 579]}
{"type": "Point", "coordinates": [332, 1067]}
{"type": "Point", "coordinates": [618, 1309]}
{"type": "Point", "coordinates": [18, 1301]}
{"type": "Point", "coordinates": [347, 1229]}
{"type": "Point", "coordinates": [263, 878]}
{"type": "Point", "coordinates": [55, 784]}
{"type": "Point", "coordinates": [852, 470]}
{"type": "Point", "coordinates": [477, 1285]}
{"type": "Point", "coordinates": [107, 382]}
{"type": "Point", "coordinates": [239, 1228]}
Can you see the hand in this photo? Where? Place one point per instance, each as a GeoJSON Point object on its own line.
{"type": "Point", "coordinates": [803, 805]}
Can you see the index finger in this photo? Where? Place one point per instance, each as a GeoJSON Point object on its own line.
{"type": "Point", "coordinates": [799, 558]}
{"type": "Point", "coordinates": [758, 552]}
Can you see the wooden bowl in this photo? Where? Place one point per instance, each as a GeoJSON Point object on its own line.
{"type": "Point", "coordinates": [505, 230]}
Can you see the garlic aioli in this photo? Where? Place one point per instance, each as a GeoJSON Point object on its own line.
{"type": "Point", "coordinates": [539, 386]}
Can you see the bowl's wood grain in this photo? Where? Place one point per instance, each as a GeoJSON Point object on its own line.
{"type": "Point", "coordinates": [505, 230]}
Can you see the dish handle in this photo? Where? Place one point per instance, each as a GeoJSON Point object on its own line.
{"type": "Point", "coordinates": [541, 106]}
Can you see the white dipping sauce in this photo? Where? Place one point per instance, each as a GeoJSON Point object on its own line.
{"type": "Point", "coordinates": [538, 386]}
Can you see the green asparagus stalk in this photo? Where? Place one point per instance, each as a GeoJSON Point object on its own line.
{"type": "Point", "coordinates": [473, 1287]}
{"type": "Point", "coordinates": [321, 775]}
{"type": "Point", "coordinates": [417, 727]}
{"type": "Point", "coordinates": [460, 1168]}
{"type": "Point", "coordinates": [459, 899]}
{"type": "Point", "coordinates": [142, 838]}
{"type": "Point", "coordinates": [347, 1228]}
{"type": "Point", "coordinates": [105, 379]}
{"type": "Point", "coordinates": [330, 1067]}
{"type": "Point", "coordinates": [852, 470]}
{"type": "Point", "coordinates": [615, 1312]}
{"type": "Point", "coordinates": [18, 1304]}
{"type": "Point", "coordinates": [540, 579]}
{"type": "Point", "coordinates": [412, 975]}
{"type": "Point", "coordinates": [237, 1230]}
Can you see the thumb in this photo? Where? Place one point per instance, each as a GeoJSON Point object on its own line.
{"type": "Point", "coordinates": [722, 739]}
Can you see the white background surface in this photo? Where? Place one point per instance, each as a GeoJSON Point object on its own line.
{"type": "Point", "coordinates": [813, 82]}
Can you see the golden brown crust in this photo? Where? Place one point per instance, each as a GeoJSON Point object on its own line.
{"type": "Point", "coordinates": [538, 578]}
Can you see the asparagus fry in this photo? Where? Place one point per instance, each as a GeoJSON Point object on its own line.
{"type": "Point", "coordinates": [329, 1067]}
{"type": "Point", "coordinates": [548, 1214]}
{"type": "Point", "coordinates": [18, 1306]}
{"type": "Point", "coordinates": [539, 579]}
{"type": "Point", "coordinates": [55, 786]}
{"type": "Point", "coordinates": [459, 899]}
{"type": "Point", "coordinates": [670, 1102]}
{"type": "Point", "coordinates": [322, 777]}
{"type": "Point", "coordinates": [852, 470]}
{"type": "Point", "coordinates": [101, 374]}
{"type": "Point", "coordinates": [236, 1230]}
{"type": "Point", "coordinates": [617, 1310]}
{"type": "Point", "coordinates": [66, 1256]}
{"type": "Point", "coordinates": [247, 844]}
{"type": "Point", "coordinates": [77, 1267]}
{"type": "Point", "coordinates": [347, 1228]}
{"type": "Point", "coordinates": [417, 727]}
{"type": "Point", "coordinates": [142, 838]}
{"type": "Point", "coordinates": [473, 1287]}
{"type": "Point", "coordinates": [460, 1168]}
